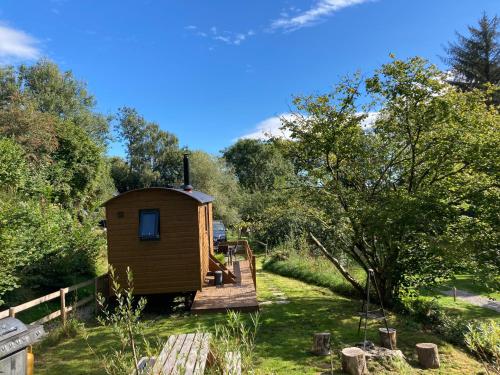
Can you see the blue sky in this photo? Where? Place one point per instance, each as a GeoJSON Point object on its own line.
{"type": "Point", "coordinates": [214, 71]}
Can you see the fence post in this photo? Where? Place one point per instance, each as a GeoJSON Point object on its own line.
{"type": "Point", "coordinates": [254, 273]}
{"type": "Point", "coordinates": [63, 305]}
{"type": "Point", "coordinates": [12, 312]}
{"type": "Point", "coordinates": [454, 294]}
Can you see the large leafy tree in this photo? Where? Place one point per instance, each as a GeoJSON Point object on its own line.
{"type": "Point", "coordinates": [474, 59]}
{"type": "Point", "coordinates": [212, 175]}
{"type": "Point", "coordinates": [50, 90]}
{"type": "Point", "coordinates": [401, 192]}
{"type": "Point", "coordinates": [259, 165]}
{"type": "Point", "coordinates": [153, 155]}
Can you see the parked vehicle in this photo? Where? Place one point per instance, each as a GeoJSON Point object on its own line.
{"type": "Point", "coordinates": [220, 231]}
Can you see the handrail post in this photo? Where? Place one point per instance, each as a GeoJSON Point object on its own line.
{"type": "Point", "coordinates": [63, 305]}
{"type": "Point", "coordinates": [12, 312]}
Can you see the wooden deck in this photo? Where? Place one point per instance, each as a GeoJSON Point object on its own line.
{"type": "Point", "coordinates": [240, 296]}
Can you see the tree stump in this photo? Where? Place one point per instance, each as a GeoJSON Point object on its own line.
{"type": "Point", "coordinates": [354, 361]}
{"type": "Point", "coordinates": [388, 338]}
{"type": "Point", "coordinates": [321, 344]}
{"type": "Point", "coordinates": [428, 355]}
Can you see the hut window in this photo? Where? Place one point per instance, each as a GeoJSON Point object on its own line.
{"type": "Point", "coordinates": [149, 224]}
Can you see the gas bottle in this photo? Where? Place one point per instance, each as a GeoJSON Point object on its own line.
{"type": "Point", "coordinates": [30, 361]}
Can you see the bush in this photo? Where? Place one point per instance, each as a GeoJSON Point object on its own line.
{"type": "Point", "coordinates": [72, 328]}
{"type": "Point", "coordinates": [43, 246]}
{"type": "Point", "coordinates": [483, 339]}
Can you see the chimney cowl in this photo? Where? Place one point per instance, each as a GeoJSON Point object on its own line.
{"type": "Point", "coordinates": [186, 186]}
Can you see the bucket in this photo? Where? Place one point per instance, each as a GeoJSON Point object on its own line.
{"type": "Point", "coordinates": [218, 277]}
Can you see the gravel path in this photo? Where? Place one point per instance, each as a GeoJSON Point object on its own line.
{"type": "Point", "coordinates": [475, 299]}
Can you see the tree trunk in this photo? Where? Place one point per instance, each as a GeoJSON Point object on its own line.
{"type": "Point", "coordinates": [354, 361]}
{"type": "Point", "coordinates": [388, 338]}
{"type": "Point", "coordinates": [337, 264]}
{"type": "Point", "coordinates": [428, 355]}
{"type": "Point", "coordinates": [321, 344]}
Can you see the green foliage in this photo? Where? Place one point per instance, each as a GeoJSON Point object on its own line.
{"type": "Point", "coordinates": [153, 155]}
{"type": "Point", "coordinates": [43, 246]}
{"type": "Point", "coordinates": [258, 165]}
{"type": "Point", "coordinates": [13, 170]}
{"type": "Point", "coordinates": [212, 176]}
{"type": "Point", "coordinates": [53, 178]}
{"type": "Point", "coordinates": [483, 339]}
{"type": "Point", "coordinates": [394, 194]}
{"type": "Point", "coordinates": [125, 321]}
{"type": "Point", "coordinates": [295, 258]}
{"type": "Point", "coordinates": [236, 335]}
{"type": "Point", "coordinates": [72, 328]}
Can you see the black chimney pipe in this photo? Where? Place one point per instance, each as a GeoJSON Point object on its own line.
{"type": "Point", "coordinates": [186, 186]}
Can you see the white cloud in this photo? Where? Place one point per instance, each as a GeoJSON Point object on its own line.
{"type": "Point", "coordinates": [226, 37]}
{"type": "Point", "coordinates": [369, 120]}
{"type": "Point", "coordinates": [270, 127]}
{"type": "Point", "coordinates": [16, 45]}
{"type": "Point", "coordinates": [321, 9]}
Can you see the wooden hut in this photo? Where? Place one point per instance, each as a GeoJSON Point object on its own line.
{"type": "Point", "coordinates": [164, 235]}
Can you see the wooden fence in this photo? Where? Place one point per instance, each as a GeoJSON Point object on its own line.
{"type": "Point", "coordinates": [100, 286]}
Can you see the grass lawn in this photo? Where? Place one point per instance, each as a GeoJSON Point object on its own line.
{"type": "Point", "coordinates": [284, 337]}
{"type": "Point", "coordinates": [319, 271]}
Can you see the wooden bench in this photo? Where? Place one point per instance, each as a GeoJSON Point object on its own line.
{"type": "Point", "coordinates": [188, 354]}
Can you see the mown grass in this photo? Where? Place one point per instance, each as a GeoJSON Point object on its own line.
{"type": "Point", "coordinates": [283, 341]}
{"type": "Point", "coordinates": [319, 271]}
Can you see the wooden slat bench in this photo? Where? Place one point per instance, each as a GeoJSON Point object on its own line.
{"type": "Point", "coordinates": [188, 354]}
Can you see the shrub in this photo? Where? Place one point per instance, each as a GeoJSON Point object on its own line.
{"type": "Point", "coordinates": [72, 328]}
{"type": "Point", "coordinates": [483, 339]}
{"type": "Point", "coordinates": [125, 321]}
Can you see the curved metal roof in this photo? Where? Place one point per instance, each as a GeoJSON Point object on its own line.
{"type": "Point", "coordinates": [193, 194]}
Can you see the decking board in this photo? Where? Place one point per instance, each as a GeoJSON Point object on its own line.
{"type": "Point", "coordinates": [240, 296]}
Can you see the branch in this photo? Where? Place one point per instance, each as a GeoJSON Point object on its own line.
{"type": "Point", "coordinates": [337, 264]}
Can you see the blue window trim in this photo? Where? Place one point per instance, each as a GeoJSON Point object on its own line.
{"type": "Point", "coordinates": [156, 236]}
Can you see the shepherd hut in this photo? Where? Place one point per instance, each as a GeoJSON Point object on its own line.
{"type": "Point", "coordinates": [163, 234]}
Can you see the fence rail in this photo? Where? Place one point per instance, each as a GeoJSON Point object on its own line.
{"type": "Point", "coordinates": [100, 286]}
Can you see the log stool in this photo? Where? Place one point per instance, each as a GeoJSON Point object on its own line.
{"type": "Point", "coordinates": [387, 338]}
{"type": "Point", "coordinates": [354, 361]}
{"type": "Point", "coordinates": [428, 355]}
{"type": "Point", "coordinates": [321, 344]}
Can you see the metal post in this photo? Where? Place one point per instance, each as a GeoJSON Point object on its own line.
{"type": "Point", "coordinates": [454, 294]}
{"type": "Point", "coordinates": [367, 305]}
{"type": "Point", "coordinates": [12, 312]}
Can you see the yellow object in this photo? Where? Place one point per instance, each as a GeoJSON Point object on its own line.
{"type": "Point", "coordinates": [30, 362]}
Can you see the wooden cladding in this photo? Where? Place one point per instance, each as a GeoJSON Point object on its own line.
{"type": "Point", "coordinates": [177, 260]}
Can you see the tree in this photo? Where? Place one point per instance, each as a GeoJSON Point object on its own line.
{"type": "Point", "coordinates": [153, 155]}
{"type": "Point", "coordinates": [259, 165]}
{"type": "Point", "coordinates": [49, 90]}
{"type": "Point", "coordinates": [397, 192]}
{"type": "Point", "coordinates": [475, 59]}
{"type": "Point", "coordinates": [212, 176]}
